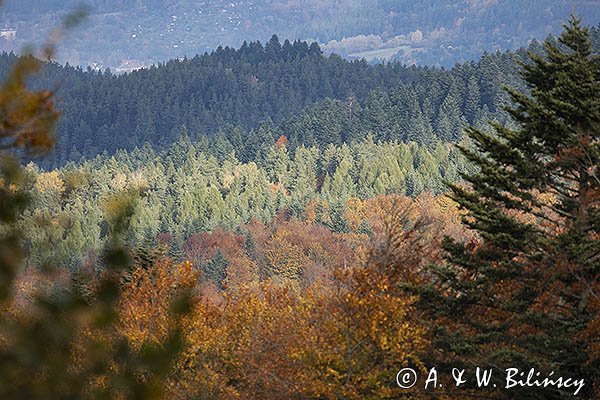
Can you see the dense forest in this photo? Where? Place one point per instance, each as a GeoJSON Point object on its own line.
{"type": "Point", "coordinates": [274, 223]}
{"type": "Point", "coordinates": [186, 190]}
{"type": "Point", "coordinates": [245, 99]}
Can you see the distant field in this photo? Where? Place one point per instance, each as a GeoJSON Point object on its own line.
{"type": "Point", "coordinates": [379, 54]}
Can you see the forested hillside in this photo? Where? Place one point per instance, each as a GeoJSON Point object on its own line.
{"type": "Point", "coordinates": [273, 223]}
{"type": "Point", "coordinates": [187, 190]}
{"type": "Point", "coordinates": [247, 98]}
{"type": "Point", "coordinates": [143, 32]}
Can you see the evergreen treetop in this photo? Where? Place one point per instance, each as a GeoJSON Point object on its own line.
{"type": "Point", "coordinates": [526, 294]}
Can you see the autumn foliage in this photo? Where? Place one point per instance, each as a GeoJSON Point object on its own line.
{"type": "Point", "coordinates": [289, 331]}
{"type": "Point", "coordinates": [302, 312]}
{"type": "Point", "coordinates": [331, 301]}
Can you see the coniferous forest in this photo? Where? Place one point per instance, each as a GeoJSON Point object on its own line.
{"type": "Point", "coordinates": [274, 222]}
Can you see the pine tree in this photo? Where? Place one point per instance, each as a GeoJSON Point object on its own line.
{"type": "Point", "coordinates": [337, 221]}
{"type": "Point", "coordinates": [472, 99]}
{"type": "Point", "coordinates": [216, 269]}
{"type": "Point", "coordinates": [304, 173]}
{"type": "Point", "coordinates": [526, 294]}
{"type": "Point", "coordinates": [449, 124]}
{"type": "Point", "coordinates": [178, 150]}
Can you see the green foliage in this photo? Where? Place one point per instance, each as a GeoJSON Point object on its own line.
{"type": "Point", "coordinates": [245, 99]}
{"type": "Point", "coordinates": [215, 269]}
{"type": "Point", "coordinates": [184, 191]}
{"type": "Point", "coordinates": [57, 339]}
{"type": "Point", "coordinates": [521, 297]}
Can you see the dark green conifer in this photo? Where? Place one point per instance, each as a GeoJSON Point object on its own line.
{"type": "Point", "coordinates": [216, 269]}
{"type": "Point", "coordinates": [523, 296]}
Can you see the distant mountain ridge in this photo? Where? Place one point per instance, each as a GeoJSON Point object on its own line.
{"type": "Point", "coordinates": [130, 33]}
{"type": "Point", "coordinates": [245, 99]}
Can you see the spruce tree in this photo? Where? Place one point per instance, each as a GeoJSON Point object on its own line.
{"type": "Point", "coordinates": [525, 293]}
{"type": "Point", "coordinates": [216, 269]}
{"type": "Point", "coordinates": [472, 99]}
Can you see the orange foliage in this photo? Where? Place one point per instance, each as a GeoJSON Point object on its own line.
{"type": "Point", "coordinates": [242, 271]}
{"type": "Point", "coordinates": [29, 117]}
{"type": "Point", "coordinates": [202, 247]}
{"type": "Point", "coordinates": [314, 208]}
{"type": "Point", "coordinates": [272, 342]}
{"type": "Point", "coordinates": [146, 304]}
{"type": "Point", "coordinates": [282, 141]}
{"type": "Point", "coordinates": [328, 320]}
{"type": "Point", "coordinates": [355, 212]}
{"type": "Point", "coordinates": [345, 335]}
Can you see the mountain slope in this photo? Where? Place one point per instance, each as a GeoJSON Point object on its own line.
{"type": "Point", "coordinates": [247, 98]}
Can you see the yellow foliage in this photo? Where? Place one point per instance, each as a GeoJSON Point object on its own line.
{"type": "Point", "coordinates": [285, 259]}
{"type": "Point", "coordinates": [146, 304]}
{"type": "Point", "coordinates": [313, 208]}
{"type": "Point", "coordinates": [49, 181]}
{"type": "Point", "coordinates": [355, 212]}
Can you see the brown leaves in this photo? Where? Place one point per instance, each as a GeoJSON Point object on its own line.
{"type": "Point", "coordinates": [148, 298]}
{"type": "Point", "coordinates": [27, 118]}
{"type": "Point", "coordinates": [282, 141]}
{"type": "Point", "coordinates": [346, 335]}
{"type": "Point", "coordinates": [202, 247]}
